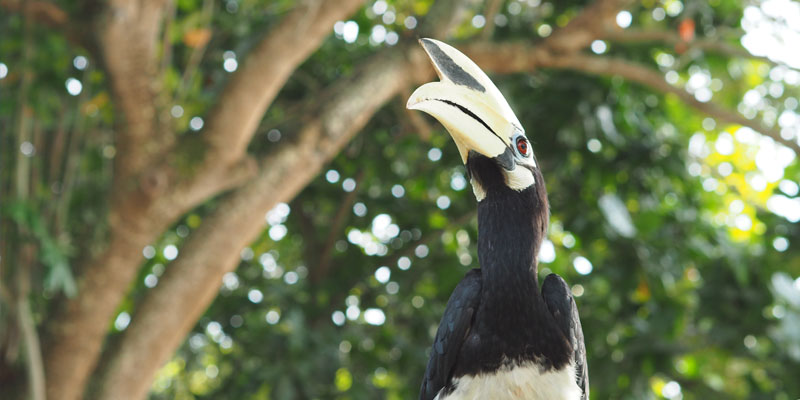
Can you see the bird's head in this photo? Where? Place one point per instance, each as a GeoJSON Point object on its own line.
{"type": "Point", "coordinates": [488, 135]}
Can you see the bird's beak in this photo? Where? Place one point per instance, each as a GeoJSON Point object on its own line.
{"type": "Point", "coordinates": [466, 102]}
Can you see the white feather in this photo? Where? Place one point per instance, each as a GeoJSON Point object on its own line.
{"type": "Point", "coordinates": [519, 178]}
{"type": "Point", "coordinates": [525, 382]}
{"type": "Point", "coordinates": [477, 189]}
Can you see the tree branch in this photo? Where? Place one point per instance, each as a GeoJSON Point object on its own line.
{"type": "Point", "coordinates": [27, 324]}
{"type": "Point", "coordinates": [708, 44]}
{"type": "Point", "coordinates": [188, 179]}
{"type": "Point", "coordinates": [633, 35]}
{"type": "Point", "coordinates": [222, 163]}
{"type": "Point", "coordinates": [132, 70]}
{"type": "Point", "coordinates": [654, 80]}
{"type": "Point", "coordinates": [193, 279]}
{"type": "Point", "coordinates": [240, 107]}
{"type": "Point", "coordinates": [78, 328]}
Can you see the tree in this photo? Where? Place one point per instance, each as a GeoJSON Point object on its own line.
{"type": "Point", "coordinates": [138, 192]}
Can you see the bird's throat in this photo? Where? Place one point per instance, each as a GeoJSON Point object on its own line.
{"type": "Point", "coordinates": [511, 226]}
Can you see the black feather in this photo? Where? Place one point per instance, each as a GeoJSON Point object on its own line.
{"type": "Point", "coordinates": [453, 329]}
{"type": "Point", "coordinates": [558, 297]}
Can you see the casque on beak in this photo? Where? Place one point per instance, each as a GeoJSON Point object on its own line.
{"type": "Point", "coordinates": [466, 102]}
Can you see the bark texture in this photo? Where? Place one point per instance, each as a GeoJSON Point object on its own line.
{"type": "Point", "coordinates": [78, 331]}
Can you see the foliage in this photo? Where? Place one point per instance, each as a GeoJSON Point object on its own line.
{"type": "Point", "coordinates": [692, 288]}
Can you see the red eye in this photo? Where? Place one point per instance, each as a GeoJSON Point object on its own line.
{"type": "Point", "coordinates": [522, 147]}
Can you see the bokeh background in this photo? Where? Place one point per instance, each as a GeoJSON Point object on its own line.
{"type": "Point", "coordinates": [228, 199]}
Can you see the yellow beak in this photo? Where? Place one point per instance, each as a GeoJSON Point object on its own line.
{"type": "Point", "coordinates": [466, 102]}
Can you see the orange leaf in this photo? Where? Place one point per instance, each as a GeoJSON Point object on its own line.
{"type": "Point", "coordinates": [197, 37]}
{"type": "Point", "coordinates": [686, 30]}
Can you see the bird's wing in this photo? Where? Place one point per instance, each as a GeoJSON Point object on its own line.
{"type": "Point", "coordinates": [558, 298]}
{"type": "Point", "coordinates": [452, 332]}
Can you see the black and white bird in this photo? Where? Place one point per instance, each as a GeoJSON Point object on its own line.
{"type": "Point", "coordinates": [501, 337]}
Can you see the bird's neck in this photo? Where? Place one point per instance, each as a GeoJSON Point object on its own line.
{"type": "Point", "coordinates": [511, 226]}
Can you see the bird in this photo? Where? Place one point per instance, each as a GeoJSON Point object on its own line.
{"type": "Point", "coordinates": [501, 336]}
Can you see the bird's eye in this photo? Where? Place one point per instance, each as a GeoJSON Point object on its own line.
{"type": "Point", "coordinates": [522, 146]}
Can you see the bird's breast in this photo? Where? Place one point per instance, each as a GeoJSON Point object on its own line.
{"type": "Point", "coordinates": [528, 381]}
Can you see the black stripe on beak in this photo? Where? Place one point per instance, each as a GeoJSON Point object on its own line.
{"type": "Point", "coordinates": [449, 68]}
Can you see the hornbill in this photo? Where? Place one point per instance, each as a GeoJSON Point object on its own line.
{"type": "Point", "coordinates": [500, 336]}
